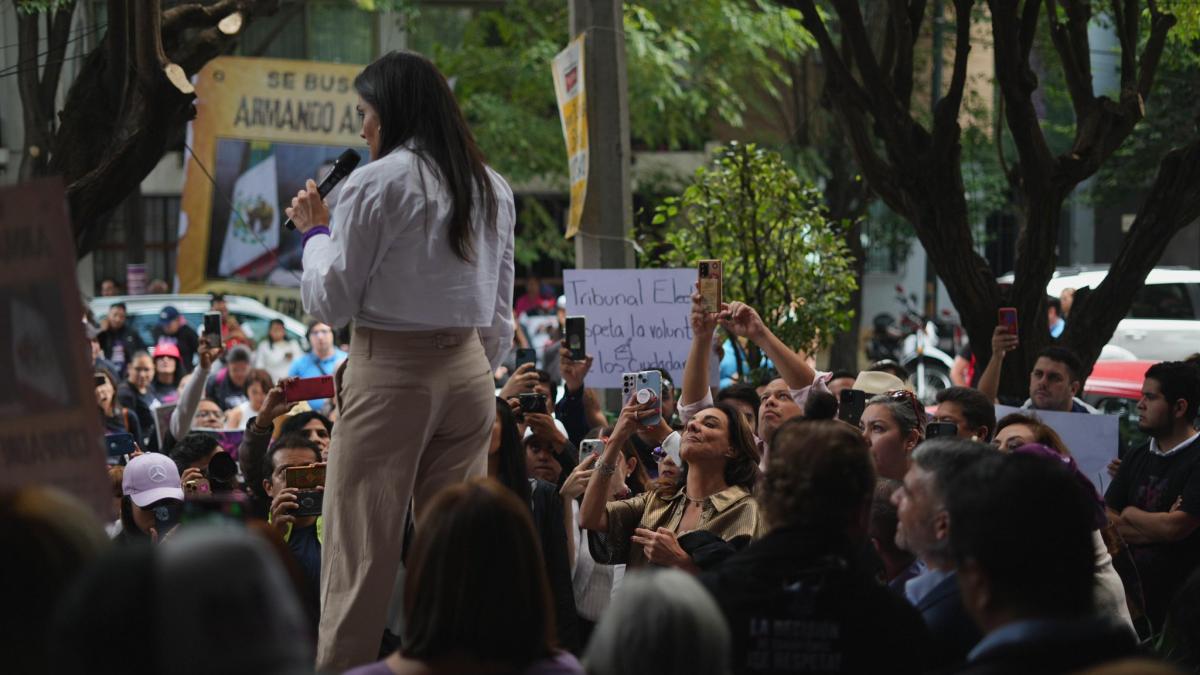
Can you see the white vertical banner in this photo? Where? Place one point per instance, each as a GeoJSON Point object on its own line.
{"type": "Point", "coordinates": [568, 69]}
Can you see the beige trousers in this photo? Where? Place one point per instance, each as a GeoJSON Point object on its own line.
{"type": "Point", "coordinates": [416, 412]}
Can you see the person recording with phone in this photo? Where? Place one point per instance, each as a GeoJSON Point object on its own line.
{"type": "Point", "coordinates": [425, 218]}
{"type": "Point", "coordinates": [303, 534]}
{"type": "Point", "coordinates": [323, 360]}
{"type": "Point", "coordinates": [669, 525]}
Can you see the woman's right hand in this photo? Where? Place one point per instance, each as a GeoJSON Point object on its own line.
{"type": "Point", "coordinates": [629, 421]}
{"type": "Point", "coordinates": [703, 323]}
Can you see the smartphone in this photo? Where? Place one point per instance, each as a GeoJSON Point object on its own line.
{"type": "Point", "coordinates": [308, 388]}
{"type": "Point", "coordinates": [101, 380]}
{"type": "Point", "coordinates": [212, 329]}
{"type": "Point", "coordinates": [197, 487]}
{"type": "Point", "coordinates": [119, 446]}
{"type": "Point", "coordinates": [306, 479]}
{"type": "Point", "coordinates": [711, 289]}
{"type": "Point", "coordinates": [576, 342]}
{"type": "Point", "coordinates": [936, 429]}
{"type": "Point", "coordinates": [1008, 319]}
{"type": "Point", "coordinates": [526, 355]}
{"type": "Point", "coordinates": [851, 404]}
{"type": "Point", "coordinates": [628, 386]}
{"type": "Point", "coordinates": [532, 403]}
{"type": "Point", "coordinates": [592, 445]}
{"type": "Point", "coordinates": [651, 380]}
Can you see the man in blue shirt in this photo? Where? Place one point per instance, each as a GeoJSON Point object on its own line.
{"type": "Point", "coordinates": [322, 360]}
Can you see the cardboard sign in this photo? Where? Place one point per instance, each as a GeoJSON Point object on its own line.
{"type": "Point", "coordinates": [50, 429]}
{"type": "Point", "coordinates": [636, 320]}
{"type": "Point", "coordinates": [1092, 439]}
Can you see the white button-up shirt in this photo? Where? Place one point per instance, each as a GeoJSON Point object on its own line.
{"type": "Point", "coordinates": [388, 263]}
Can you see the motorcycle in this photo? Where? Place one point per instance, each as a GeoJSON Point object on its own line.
{"type": "Point", "coordinates": [924, 346]}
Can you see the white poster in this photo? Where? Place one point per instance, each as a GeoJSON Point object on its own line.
{"type": "Point", "coordinates": [636, 320]}
{"type": "Point", "coordinates": [254, 221]}
{"type": "Point", "coordinates": [1092, 439]}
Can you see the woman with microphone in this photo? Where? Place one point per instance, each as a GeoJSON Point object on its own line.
{"type": "Point", "coordinates": [418, 253]}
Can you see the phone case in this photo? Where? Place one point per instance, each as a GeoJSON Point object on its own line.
{"type": "Point", "coordinates": [309, 388]}
{"type": "Point", "coordinates": [652, 380]}
{"type": "Point", "coordinates": [628, 385]}
{"type": "Point", "coordinates": [525, 355]}
{"type": "Point", "coordinates": [593, 445]}
{"type": "Point", "coordinates": [1008, 319]}
{"type": "Point", "coordinates": [305, 477]}
{"type": "Point", "coordinates": [710, 285]}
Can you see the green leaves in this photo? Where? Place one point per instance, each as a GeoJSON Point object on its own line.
{"type": "Point", "coordinates": [782, 254]}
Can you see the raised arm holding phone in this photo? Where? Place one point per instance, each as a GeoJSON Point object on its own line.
{"type": "Point", "coordinates": [419, 253]}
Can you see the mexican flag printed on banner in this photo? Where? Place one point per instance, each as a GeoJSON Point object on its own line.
{"type": "Point", "coordinates": [253, 229]}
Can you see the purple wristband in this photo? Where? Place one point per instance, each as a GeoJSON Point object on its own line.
{"type": "Point", "coordinates": [320, 229]}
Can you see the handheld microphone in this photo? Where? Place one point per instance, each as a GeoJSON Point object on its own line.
{"type": "Point", "coordinates": [341, 168]}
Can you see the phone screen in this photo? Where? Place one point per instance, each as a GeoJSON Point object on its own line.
{"type": "Point", "coordinates": [212, 329]}
{"type": "Point", "coordinates": [576, 338]}
{"type": "Point", "coordinates": [851, 405]}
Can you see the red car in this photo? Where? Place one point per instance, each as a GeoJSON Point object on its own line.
{"type": "Point", "coordinates": [1115, 387]}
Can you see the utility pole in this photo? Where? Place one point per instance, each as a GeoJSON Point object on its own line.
{"type": "Point", "coordinates": [935, 94]}
{"type": "Point", "coordinates": [608, 208]}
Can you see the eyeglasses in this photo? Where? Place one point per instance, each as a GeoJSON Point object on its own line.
{"type": "Point", "coordinates": [658, 454]}
{"type": "Point", "coordinates": [899, 394]}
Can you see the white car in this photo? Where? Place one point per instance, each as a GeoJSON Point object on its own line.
{"type": "Point", "coordinates": [1163, 323]}
{"type": "Point", "coordinates": [142, 312]}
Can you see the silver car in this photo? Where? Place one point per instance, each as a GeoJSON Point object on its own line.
{"type": "Point", "coordinates": [253, 316]}
{"type": "Point", "coordinates": [1163, 323]}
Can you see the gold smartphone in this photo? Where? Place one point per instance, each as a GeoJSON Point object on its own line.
{"type": "Point", "coordinates": [711, 289]}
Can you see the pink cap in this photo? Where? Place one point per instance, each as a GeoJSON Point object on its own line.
{"type": "Point", "coordinates": [151, 477]}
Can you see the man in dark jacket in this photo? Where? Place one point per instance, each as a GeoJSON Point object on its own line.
{"type": "Point", "coordinates": [799, 599]}
{"type": "Point", "coordinates": [119, 340]}
{"type": "Point", "coordinates": [923, 529]}
{"type": "Point", "coordinates": [1022, 543]}
{"type": "Point", "coordinates": [172, 329]}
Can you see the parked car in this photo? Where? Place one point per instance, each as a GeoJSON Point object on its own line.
{"type": "Point", "coordinates": [1114, 388]}
{"type": "Point", "coordinates": [1163, 323]}
{"type": "Point", "coordinates": [251, 314]}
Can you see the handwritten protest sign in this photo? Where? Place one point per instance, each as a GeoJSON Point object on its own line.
{"type": "Point", "coordinates": [49, 428]}
{"type": "Point", "coordinates": [636, 320]}
{"type": "Point", "coordinates": [1092, 439]}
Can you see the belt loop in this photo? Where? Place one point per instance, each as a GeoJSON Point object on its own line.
{"type": "Point", "coordinates": [370, 342]}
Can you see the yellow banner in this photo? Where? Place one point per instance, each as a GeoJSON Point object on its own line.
{"type": "Point", "coordinates": [568, 68]}
{"type": "Point", "coordinates": [262, 127]}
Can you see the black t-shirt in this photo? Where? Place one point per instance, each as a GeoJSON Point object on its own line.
{"type": "Point", "coordinates": [796, 602]}
{"type": "Point", "coordinates": [221, 388]}
{"type": "Point", "coordinates": [1153, 483]}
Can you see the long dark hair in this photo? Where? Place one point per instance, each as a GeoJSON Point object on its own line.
{"type": "Point", "coordinates": [742, 469]}
{"type": "Point", "coordinates": [476, 584]}
{"type": "Point", "coordinates": [512, 472]}
{"type": "Point", "coordinates": [414, 101]}
{"type": "Point", "coordinates": [638, 480]}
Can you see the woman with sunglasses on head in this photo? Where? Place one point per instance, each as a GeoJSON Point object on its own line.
{"type": "Point", "coordinates": [893, 425]}
{"type": "Point", "coordinates": [672, 526]}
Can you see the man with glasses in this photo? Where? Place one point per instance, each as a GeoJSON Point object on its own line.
{"type": "Point", "coordinates": [322, 360]}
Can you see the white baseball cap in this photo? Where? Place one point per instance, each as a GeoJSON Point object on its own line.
{"type": "Point", "coordinates": [149, 478]}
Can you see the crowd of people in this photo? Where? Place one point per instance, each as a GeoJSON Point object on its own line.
{"type": "Point", "coordinates": [751, 528]}
{"type": "Point", "coordinates": [407, 517]}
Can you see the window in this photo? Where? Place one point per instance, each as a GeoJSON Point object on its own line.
{"type": "Point", "coordinates": [1165, 301]}
{"type": "Point", "coordinates": [324, 30]}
